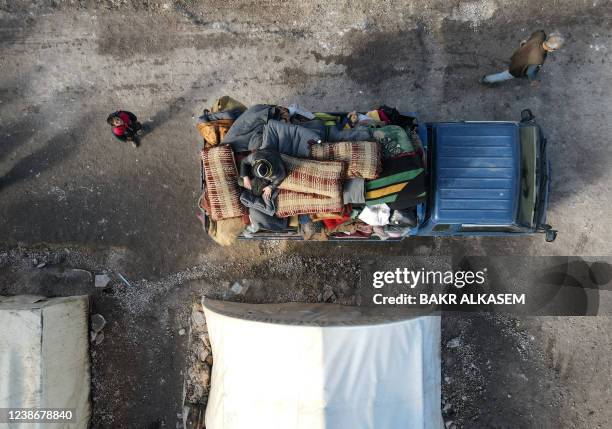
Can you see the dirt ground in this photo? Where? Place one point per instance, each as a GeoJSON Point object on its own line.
{"type": "Point", "coordinates": [74, 198]}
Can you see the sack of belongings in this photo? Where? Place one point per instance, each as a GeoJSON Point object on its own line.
{"type": "Point", "coordinates": [214, 126]}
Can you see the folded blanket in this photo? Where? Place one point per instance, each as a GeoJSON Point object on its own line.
{"type": "Point", "coordinates": [362, 158]}
{"type": "Point", "coordinates": [353, 191]}
{"type": "Point", "coordinates": [221, 179]}
{"type": "Point", "coordinates": [401, 185]}
{"type": "Point", "coordinates": [313, 177]}
{"type": "Point", "coordinates": [310, 187]}
{"type": "Point", "coordinates": [291, 203]}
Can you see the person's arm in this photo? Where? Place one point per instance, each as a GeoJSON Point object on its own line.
{"type": "Point", "coordinates": [246, 170]}
{"type": "Point", "coordinates": [275, 183]}
{"type": "Point", "coordinates": [532, 73]}
{"type": "Point", "coordinates": [245, 166]}
{"type": "Point", "coordinates": [280, 172]}
{"type": "Point", "coordinates": [267, 191]}
{"type": "Point", "coordinates": [129, 134]}
{"type": "Point", "coordinates": [280, 175]}
{"type": "Point", "coordinates": [133, 117]}
{"type": "Point", "coordinates": [279, 178]}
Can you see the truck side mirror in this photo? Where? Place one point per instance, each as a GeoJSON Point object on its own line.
{"type": "Point", "coordinates": [527, 115]}
{"type": "Point", "coordinates": [551, 235]}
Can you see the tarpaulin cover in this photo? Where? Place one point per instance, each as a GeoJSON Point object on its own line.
{"type": "Point", "coordinates": [315, 366]}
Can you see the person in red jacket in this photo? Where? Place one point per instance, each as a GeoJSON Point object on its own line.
{"type": "Point", "coordinates": [125, 126]}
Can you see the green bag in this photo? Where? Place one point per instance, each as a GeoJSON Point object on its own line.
{"type": "Point", "coordinates": [226, 103]}
{"type": "Point", "coordinates": [393, 141]}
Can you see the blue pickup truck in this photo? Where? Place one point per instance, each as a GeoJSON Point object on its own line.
{"type": "Point", "coordinates": [484, 179]}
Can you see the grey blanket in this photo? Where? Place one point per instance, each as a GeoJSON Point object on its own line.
{"type": "Point", "coordinates": [210, 116]}
{"type": "Point", "coordinates": [246, 132]}
{"type": "Point", "coordinates": [254, 129]}
{"type": "Point", "coordinates": [289, 139]}
{"type": "Point", "coordinates": [260, 220]}
{"type": "Point", "coordinates": [259, 203]}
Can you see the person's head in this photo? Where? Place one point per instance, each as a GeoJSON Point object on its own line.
{"type": "Point", "coordinates": [553, 42]}
{"type": "Point", "coordinates": [262, 168]}
{"type": "Point", "coordinates": [114, 120]}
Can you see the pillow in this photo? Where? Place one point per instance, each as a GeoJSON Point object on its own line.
{"type": "Point", "coordinates": [221, 177]}
{"type": "Point", "coordinates": [363, 158]}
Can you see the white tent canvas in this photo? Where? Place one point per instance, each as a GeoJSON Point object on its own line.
{"type": "Point", "coordinates": [305, 366]}
{"type": "Point", "coordinates": [44, 356]}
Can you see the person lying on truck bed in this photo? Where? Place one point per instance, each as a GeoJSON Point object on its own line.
{"type": "Point", "coordinates": [266, 165]}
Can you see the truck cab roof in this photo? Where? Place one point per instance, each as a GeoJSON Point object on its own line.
{"type": "Point", "coordinates": [476, 172]}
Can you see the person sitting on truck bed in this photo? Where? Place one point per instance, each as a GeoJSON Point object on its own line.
{"type": "Point", "coordinates": [266, 165]}
{"type": "Point", "coordinates": [528, 58]}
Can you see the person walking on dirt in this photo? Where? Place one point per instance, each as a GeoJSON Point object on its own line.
{"type": "Point", "coordinates": [125, 126]}
{"type": "Point", "coordinates": [528, 59]}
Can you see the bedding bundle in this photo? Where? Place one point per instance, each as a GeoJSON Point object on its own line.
{"type": "Point", "coordinates": [331, 168]}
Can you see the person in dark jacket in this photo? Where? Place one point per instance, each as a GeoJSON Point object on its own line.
{"type": "Point", "coordinates": [125, 126]}
{"type": "Point", "coordinates": [266, 165]}
{"type": "Point", "coordinates": [528, 59]}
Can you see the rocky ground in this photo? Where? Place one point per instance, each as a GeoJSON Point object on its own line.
{"type": "Point", "coordinates": [75, 199]}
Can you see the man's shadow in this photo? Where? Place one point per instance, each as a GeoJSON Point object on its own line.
{"type": "Point", "coordinates": [55, 150]}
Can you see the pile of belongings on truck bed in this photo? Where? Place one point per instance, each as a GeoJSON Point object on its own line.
{"type": "Point", "coordinates": [270, 168]}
